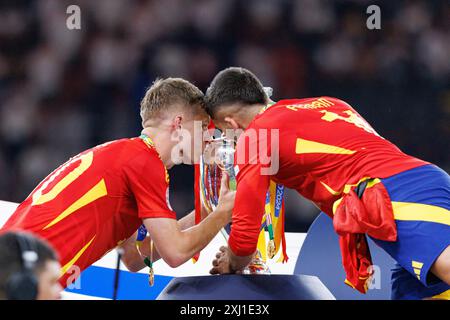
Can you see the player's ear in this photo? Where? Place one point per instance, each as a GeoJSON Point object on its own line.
{"type": "Point", "coordinates": [177, 121]}
{"type": "Point", "coordinates": [231, 122]}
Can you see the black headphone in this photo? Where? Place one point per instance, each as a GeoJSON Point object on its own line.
{"type": "Point", "coordinates": [23, 285]}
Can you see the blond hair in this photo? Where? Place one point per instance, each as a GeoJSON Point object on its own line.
{"type": "Point", "coordinates": [165, 93]}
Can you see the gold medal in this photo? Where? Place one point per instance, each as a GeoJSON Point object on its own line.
{"type": "Point", "coordinates": [148, 261]}
{"type": "Point", "coordinates": [151, 272]}
{"type": "Point", "coordinates": [151, 277]}
{"type": "Point", "coordinates": [271, 250]}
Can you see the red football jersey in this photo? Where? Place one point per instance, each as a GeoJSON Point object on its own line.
{"type": "Point", "coordinates": [324, 147]}
{"type": "Point", "coordinates": [97, 199]}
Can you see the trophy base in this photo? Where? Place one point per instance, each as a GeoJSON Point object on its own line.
{"type": "Point", "coordinates": [256, 266]}
{"type": "Point", "coordinates": [246, 287]}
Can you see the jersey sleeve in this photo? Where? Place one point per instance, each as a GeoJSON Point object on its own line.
{"type": "Point", "coordinates": [252, 186]}
{"type": "Point", "coordinates": [149, 185]}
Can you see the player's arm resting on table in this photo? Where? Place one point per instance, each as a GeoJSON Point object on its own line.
{"type": "Point", "coordinates": [176, 246]}
{"type": "Point", "coordinates": [131, 257]}
{"type": "Point", "coordinates": [247, 215]}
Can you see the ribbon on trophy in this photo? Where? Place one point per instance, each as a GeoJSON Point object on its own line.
{"type": "Point", "coordinates": [197, 191]}
{"type": "Point", "coordinates": [197, 203]}
{"type": "Point", "coordinates": [272, 225]}
{"type": "Point", "coordinates": [202, 188]}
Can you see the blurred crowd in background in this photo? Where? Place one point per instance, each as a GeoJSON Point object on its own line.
{"type": "Point", "coordinates": [63, 91]}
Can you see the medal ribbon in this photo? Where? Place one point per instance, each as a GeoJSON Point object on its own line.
{"type": "Point", "coordinates": [142, 231]}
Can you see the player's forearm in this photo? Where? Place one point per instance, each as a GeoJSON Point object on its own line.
{"type": "Point", "coordinates": [244, 238]}
{"type": "Point", "coordinates": [194, 239]}
{"type": "Point", "coordinates": [131, 257]}
{"type": "Point", "coordinates": [177, 246]}
{"type": "Point", "coordinates": [183, 224]}
{"type": "Point", "coordinates": [249, 209]}
{"type": "Point", "coordinates": [187, 221]}
{"type": "Point", "coordinates": [246, 226]}
{"type": "Point", "coordinates": [242, 245]}
{"type": "Point", "coordinates": [238, 263]}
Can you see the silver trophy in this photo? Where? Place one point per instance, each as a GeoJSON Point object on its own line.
{"type": "Point", "coordinates": [218, 157]}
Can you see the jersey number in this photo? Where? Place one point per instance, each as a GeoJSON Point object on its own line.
{"type": "Point", "coordinates": [352, 118]}
{"type": "Point", "coordinates": [97, 191]}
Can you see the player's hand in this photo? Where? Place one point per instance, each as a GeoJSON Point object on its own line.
{"type": "Point", "coordinates": [221, 264]}
{"type": "Point", "coordinates": [226, 262]}
{"type": "Point", "coordinates": [226, 198]}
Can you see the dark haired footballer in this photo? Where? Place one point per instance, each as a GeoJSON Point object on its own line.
{"type": "Point", "coordinates": [329, 154]}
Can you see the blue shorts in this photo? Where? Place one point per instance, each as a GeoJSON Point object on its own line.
{"type": "Point", "coordinates": [421, 201]}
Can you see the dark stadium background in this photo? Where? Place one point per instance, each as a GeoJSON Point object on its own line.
{"type": "Point", "coordinates": [63, 91]}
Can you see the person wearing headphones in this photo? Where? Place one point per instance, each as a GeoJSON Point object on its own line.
{"type": "Point", "coordinates": [29, 268]}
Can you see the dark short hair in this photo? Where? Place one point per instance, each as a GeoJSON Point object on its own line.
{"type": "Point", "coordinates": [11, 260]}
{"type": "Point", "coordinates": [234, 85]}
{"type": "Point", "coordinates": [165, 92]}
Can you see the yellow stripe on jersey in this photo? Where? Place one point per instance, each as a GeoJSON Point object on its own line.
{"type": "Point", "coordinates": [347, 188]}
{"type": "Point", "coordinates": [329, 189]}
{"type": "Point", "coordinates": [410, 211]}
{"type": "Point", "coordinates": [96, 192]}
{"type": "Point", "coordinates": [306, 146]}
{"type": "Point", "coordinates": [75, 258]}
